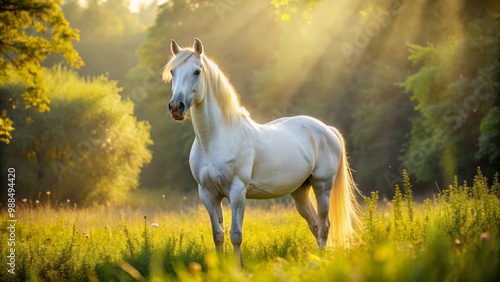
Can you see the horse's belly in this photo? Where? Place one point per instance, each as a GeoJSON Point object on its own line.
{"type": "Point", "coordinates": [263, 192]}
{"type": "Point", "coordinates": [258, 193]}
{"type": "Point", "coordinates": [279, 169]}
{"type": "Point", "coordinates": [276, 183]}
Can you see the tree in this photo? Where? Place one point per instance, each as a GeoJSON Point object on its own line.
{"type": "Point", "coordinates": [89, 147]}
{"type": "Point", "coordinates": [380, 126]}
{"type": "Point", "coordinates": [456, 90]}
{"type": "Point", "coordinates": [30, 31]}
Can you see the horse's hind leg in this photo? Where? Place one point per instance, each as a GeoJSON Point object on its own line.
{"type": "Point", "coordinates": [322, 189]}
{"type": "Point", "coordinates": [305, 207]}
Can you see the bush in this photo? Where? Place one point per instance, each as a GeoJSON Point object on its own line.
{"type": "Point", "coordinates": [88, 147]}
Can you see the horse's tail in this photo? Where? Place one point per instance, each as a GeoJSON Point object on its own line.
{"type": "Point", "coordinates": [344, 208]}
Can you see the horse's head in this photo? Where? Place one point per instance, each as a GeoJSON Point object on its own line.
{"type": "Point", "coordinates": [185, 72]}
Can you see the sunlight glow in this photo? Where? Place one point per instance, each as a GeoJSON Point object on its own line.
{"type": "Point", "coordinates": [134, 5]}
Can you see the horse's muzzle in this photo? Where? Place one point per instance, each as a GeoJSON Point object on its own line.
{"type": "Point", "coordinates": [177, 110]}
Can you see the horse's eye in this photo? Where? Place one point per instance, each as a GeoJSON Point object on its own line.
{"type": "Point", "coordinates": [197, 72]}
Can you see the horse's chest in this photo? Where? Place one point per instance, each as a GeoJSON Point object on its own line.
{"type": "Point", "coordinates": [215, 177]}
{"type": "Point", "coordinates": [214, 173]}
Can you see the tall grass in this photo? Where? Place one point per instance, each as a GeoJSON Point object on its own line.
{"type": "Point", "coordinates": [453, 236]}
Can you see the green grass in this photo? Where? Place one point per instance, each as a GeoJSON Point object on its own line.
{"type": "Point", "coordinates": [452, 237]}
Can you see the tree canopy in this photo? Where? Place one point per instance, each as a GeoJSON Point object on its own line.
{"type": "Point", "coordinates": [30, 30]}
{"type": "Point", "coordinates": [454, 88]}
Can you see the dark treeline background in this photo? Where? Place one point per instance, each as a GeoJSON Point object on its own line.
{"type": "Point", "coordinates": [410, 84]}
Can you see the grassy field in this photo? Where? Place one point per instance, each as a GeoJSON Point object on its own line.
{"type": "Point", "coordinates": [452, 237]}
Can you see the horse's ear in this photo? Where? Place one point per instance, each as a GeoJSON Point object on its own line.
{"type": "Point", "coordinates": [174, 47]}
{"type": "Point", "coordinates": [198, 46]}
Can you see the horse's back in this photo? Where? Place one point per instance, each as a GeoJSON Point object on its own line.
{"type": "Point", "coordinates": [306, 130]}
{"type": "Point", "coordinates": [289, 151]}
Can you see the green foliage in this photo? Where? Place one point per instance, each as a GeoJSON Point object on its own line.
{"type": "Point", "coordinates": [397, 201]}
{"type": "Point", "coordinates": [456, 92]}
{"type": "Point", "coordinates": [88, 147]}
{"type": "Point", "coordinates": [379, 126]}
{"type": "Point", "coordinates": [30, 31]}
{"type": "Point", "coordinates": [370, 218]}
{"type": "Point", "coordinates": [489, 139]}
{"type": "Point", "coordinates": [408, 194]}
{"type": "Point", "coordinates": [104, 243]}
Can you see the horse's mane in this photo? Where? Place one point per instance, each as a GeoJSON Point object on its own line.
{"type": "Point", "coordinates": [214, 79]}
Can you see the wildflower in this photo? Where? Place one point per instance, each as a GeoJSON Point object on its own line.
{"type": "Point", "coordinates": [67, 201]}
{"type": "Point", "coordinates": [37, 202]}
{"type": "Point", "coordinates": [48, 193]}
{"type": "Point", "coordinates": [457, 246]}
{"type": "Point", "coordinates": [194, 267]}
{"type": "Point", "coordinates": [485, 237]}
{"type": "Point", "coordinates": [24, 200]}
{"type": "Point", "coordinates": [86, 235]}
{"type": "Point", "coordinates": [154, 224]}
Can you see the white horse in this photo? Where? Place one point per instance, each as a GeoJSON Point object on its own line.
{"type": "Point", "coordinates": [234, 157]}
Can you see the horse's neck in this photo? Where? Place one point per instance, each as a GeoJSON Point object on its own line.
{"type": "Point", "coordinates": [207, 120]}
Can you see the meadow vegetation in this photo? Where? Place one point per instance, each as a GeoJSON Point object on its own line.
{"type": "Point", "coordinates": [452, 237]}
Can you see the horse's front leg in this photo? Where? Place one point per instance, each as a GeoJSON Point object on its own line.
{"type": "Point", "coordinates": [237, 196]}
{"type": "Point", "coordinates": [213, 204]}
